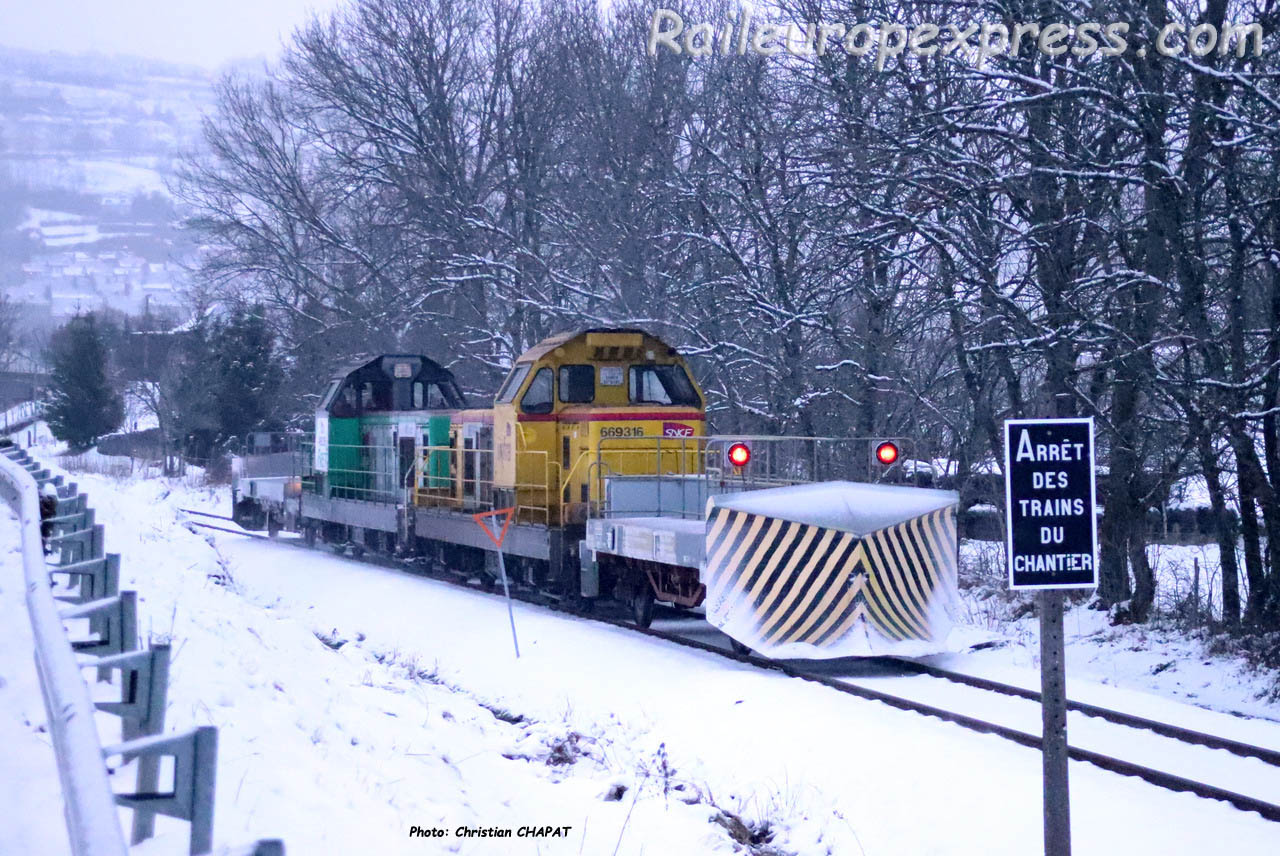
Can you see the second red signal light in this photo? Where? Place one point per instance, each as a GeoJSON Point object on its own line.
{"type": "Point", "coordinates": [887, 453]}
{"type": "Point", "coordinates": [739, 454]}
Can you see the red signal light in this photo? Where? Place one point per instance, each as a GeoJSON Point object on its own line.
{"type": "Point", "coordinates": [739, 454]}
{"type": "Point", "coordinates": [887, 453]}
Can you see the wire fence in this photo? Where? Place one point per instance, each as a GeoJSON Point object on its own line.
{"type": "Point", "coordinates": [20, 416]}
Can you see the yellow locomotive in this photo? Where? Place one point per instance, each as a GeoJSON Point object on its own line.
{"type": "Point", "coordinates": [576, 410]}
{"type": "Point", "coordinates": [597, 440]}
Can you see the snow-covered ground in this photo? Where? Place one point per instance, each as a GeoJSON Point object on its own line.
{"type": "Point", "coordinates": [355, 702]}
{"type": "Point", "coordinates": [1157, 657]}
{"type": "Point", "coordinates": [404, 710]}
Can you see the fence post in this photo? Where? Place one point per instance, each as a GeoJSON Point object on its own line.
{"type": "Point", "coordinates": [144, 822]}
{"type": "Point", "coordinates": [1195, 588]}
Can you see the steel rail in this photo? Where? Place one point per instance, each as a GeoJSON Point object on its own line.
{"type": "Point", "coordinates": [1169, 781]}
{"type": "Point", "coordinates": [206, 514]}
{"type": "Point", "coordinates": [229, 530]}
{"type": "Point", "coordinates": [1159, 778]}
{"type": "Point", "coordinates": [1164, 729]}
{"type": "Point", "coordinates": [93, 823]}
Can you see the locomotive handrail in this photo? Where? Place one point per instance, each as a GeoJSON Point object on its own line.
{"type": "Point", "coordinates": [385, 494]}
{"type": "Point", "coordinates": [93, 825]}
{"type": "Point", "coordinates": [568, 477]}
{"type": "Point", "coordinates": [424, 496]}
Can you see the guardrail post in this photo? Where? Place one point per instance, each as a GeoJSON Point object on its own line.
{"type": "Point", "coordinates": [84, 542]}
{"type": "Point", "coordinates": [195, 756]}
{"type": "Point", "coordinates": [110, 587]}
{"type": "Point", "coordinates": [144, 681]}
{"type": "Point", "coordinates": [204, 777]}
{"type": "Point", "coordinates": [103, 575]}
{"type": "Point", "coordinates": [87, 523]}
{"type": "Point", "coordinates": [144, 684]}
{"type": "Point", "coordinates": [144, 822]}
{"type": "Point", "coordinates": [97, 540]}
{"type": "Point", "coordinates": [118, 627]}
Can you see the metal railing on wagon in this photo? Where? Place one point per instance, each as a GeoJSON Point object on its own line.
{"type": "Point", "coordinates": [677, 473]}
{"type": "Point", "coordinates": [674, 476]}
{"type": "Point", "coordinates": [89, 803]}
{"type": "Point", "coordinates": [462, 479]}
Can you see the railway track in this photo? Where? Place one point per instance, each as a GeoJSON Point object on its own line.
{"type": "Point", "coordinates": [206, 514]}
{"type": "Point", "coordinates": [246, 533]}
{"type": "Point", "coordinates": [859, 687]}
{"type": "Point", "coordinates": [1164, 729]}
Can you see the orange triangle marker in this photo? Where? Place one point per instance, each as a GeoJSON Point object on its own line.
{"type": "Point", "coordinates": [501, 536]}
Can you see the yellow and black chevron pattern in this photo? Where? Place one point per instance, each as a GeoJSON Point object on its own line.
{"type": "Point", "coordinates": [810, 584]}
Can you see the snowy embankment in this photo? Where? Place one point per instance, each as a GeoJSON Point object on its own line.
{"type": "Point", "coordinates": [1162, 657]}
{"type": "Point", "coordinates": [423, 716]}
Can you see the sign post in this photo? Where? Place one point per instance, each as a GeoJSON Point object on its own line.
{"type": "Point", "coordinates": [1051, 508]}
{"type": "Point", "coordinates": [497, 540]}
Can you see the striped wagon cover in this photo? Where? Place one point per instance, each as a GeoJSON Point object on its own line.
{"type": "Point", "coordinates": [833, 569]}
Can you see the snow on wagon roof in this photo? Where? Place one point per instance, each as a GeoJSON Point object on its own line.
{"type": "Point", "coordinates": [847, 506]}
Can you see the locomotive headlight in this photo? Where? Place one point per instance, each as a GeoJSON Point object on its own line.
{"type": "Point", "coordinates": [887, 453]}
{"type": "Point", "coordinates": [739, 454]}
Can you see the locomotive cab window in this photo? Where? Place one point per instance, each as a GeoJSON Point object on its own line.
{"type": "Point", "coordinates": [655, 384]}
{"type": "Point", "coordinates": [375, 396]}
{"type": "Point", "coordinates": [344, 403]}
{"type": "Point", "coordinates": [577, 384]}
{"type": "Point", "coordinates": [512, 384]}
{"type": "Point", "coordinates": [537, 398]}
{"type": "Point", "coordinates": [429, 396]}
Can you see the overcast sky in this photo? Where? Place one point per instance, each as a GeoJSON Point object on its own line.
{"type": "Point", "coordinates": [204, 32]}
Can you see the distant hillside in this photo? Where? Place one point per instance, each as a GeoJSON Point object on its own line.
{"type": "Point", "coordinates": [95, 125]}
{"type": "Point", "coordinates": [87, 144]}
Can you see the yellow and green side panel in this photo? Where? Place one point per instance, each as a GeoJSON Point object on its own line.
{"type": "Point", "coordinates": [790, 588]}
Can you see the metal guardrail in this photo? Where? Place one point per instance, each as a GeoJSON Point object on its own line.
{"type": "Point", "coordinates": [89, 803]}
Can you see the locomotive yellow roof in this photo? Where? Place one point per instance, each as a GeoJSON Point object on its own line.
{"type": "Point", "coordinates": [618, 337]}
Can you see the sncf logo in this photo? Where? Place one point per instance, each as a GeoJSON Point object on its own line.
{"type": "Point", "coordinates": [676, 429]}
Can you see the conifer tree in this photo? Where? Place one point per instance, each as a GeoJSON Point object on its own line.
{"type": "Point", "coordinates": [247, 373]}
{"type": "Point", "coordinates": [83, 404]}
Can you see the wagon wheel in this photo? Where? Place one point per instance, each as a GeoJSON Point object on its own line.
{"type": "Point", "coordinates": [273, 525]}
{"type": "Point", "coordinates": [309, 535]}
{"type": "Point", "coordinates": [642, 606]}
